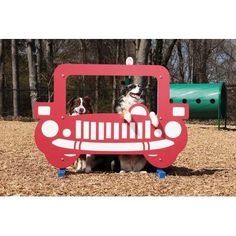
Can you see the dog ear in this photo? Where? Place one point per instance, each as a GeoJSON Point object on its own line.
{"type": "Point", "coordinates": [87, 99]}
{"type": "Point", "coordinates": [122, 82]}
{"type": "Point", "coordinates": [69, 103]}
{"type": "Point", "coordinates": [124, 90]}
{"type": "Point", "coordinates": [89, 107]}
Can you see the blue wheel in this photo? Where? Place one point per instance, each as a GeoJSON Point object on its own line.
{"type": "Point", "coordinates": [61, 172]}
{"type": "Point", "coordinates": [161, 173]}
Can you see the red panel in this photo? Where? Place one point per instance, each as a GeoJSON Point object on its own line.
{"type": "Point", "coordinates": [63, 138]}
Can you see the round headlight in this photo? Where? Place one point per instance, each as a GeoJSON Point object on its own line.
{"type": "Point", "coordinates": [173, 129]}
{"type": "Point", "coordinates": [66, 132]}
{"type": "Point", "coordinates": [50, 128]}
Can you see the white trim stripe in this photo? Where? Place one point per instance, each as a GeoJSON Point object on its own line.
{"type": "Point", "coordinates": [64, 143]}
{"type": "Point", "coordinates": [108, 130]}
{"type": "Point", "coordinates": [77, 145]}
{"type": "Point", "coordinates": [93, 130]}
{"type": "Point", "coordinates": [124, 130]}
{"type": "Point", "coordinates": [132, 130]}
{"type": "Point", "coordinates": [86, 129]}
{"type": "Point", "coordinates": [100, 130]}
{"type": "Point", "coordinates": [78, 129]}
{"type": "Point", "coordinates": [110, 147]}
{"type": "Point", "coordinates": [140, 130]}
{"type": "Point", "coordinates": [145, 146]}
{"type": "Point", "coordinates": [116, 130]}
{"type": "Point", "coordinates": [147, 129]}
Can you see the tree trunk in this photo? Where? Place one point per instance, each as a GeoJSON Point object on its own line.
{"type": "Point", "coordinates": [189, 62]}
{"type": "Point", "coordinates": [181, 62]}
{"type": "Point", "coordinates": [157, 60]}
{"type": "Point", "coordinates": [84, 59]}
{"type": "Point", "coordinates": [137, 42]}
{"type": "Point", "coordinates": [142, 56]}
{"type": "Point", "coordinates": [205, 54]}
{"type": "Point", "coordinates": [201, 52]}
{"type": "Point", "coordinates": [32, 72]}
{"type": "Point", "coordinates": [114, 84]}
{"type": "Point", "coordinates": [49, 61]}
{"type": "Point", "coordinates": [15, 77]}
{"type": "Point", "coordinates": [38, 52]}
{"type": "Point", "coordinates": [169, 52]}
{"type": "Point", "coordinates": [99, 60]}
{"type": "Point", "coordinates": [158, 55]}
{"type": "Point", "coordinates": [49, 56]}
{"type": "Point", "coordinates": [123, 46]}
{"type": "Point", "coordinates": [1, 75]}
{"type": "Point", "coordinates": [196, 60]}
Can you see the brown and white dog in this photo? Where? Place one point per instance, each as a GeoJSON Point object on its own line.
{"type": "Point", "coordinates": [130, 95]}
{"type": "Point", "coordinates": [78, 106]}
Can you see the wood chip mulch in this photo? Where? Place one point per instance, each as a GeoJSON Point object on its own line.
{"type": "Point", "coordinates": [207, 167]}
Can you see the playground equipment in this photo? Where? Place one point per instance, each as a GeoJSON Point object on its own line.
{"type": "Point", "coordinates": [63, 138]}
{"type": "Point", "coordinates": [206, 101]}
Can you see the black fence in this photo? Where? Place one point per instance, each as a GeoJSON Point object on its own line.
{"type": "Point", "coordinates": [103, 102]}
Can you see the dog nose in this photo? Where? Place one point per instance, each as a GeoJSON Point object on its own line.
{"type": "Point", "coordinates": [81, 110]}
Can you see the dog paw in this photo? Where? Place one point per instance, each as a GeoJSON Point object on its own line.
{"type": "Point", "coordinates": [88, 169]}
{"type": "Point", "coordinates": [127, 117]}
{"type": "Point", "coordinates": [122, 172]}
{"type": "Point", "coordinates": [143, 172]}
{"type": "Point", "coordinates": [78, 167]}
{"type": "Point", "coordinates": [83, 165]}
{"type": "Point", "coordinates": [154, 119]}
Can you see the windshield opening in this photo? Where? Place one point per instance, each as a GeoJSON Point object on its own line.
{"type": "Point", "coordinates": [102, 93]}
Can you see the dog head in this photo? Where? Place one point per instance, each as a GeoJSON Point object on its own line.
{"type": "Point", "coordinates": [78, 105]}
{"type": "Point", "coordinates": [133, 92]}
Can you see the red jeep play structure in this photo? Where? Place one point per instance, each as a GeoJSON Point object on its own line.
{"type": "Point", "coordinates": [63, 138]}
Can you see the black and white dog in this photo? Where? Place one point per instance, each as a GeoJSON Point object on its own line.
{"type": "Point", "coordinates": [78, 106]}
{"type": "Point", "coordinates": [130, 95]}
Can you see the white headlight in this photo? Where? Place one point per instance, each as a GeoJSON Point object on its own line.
{"type": "Point", "coordinates": [50, 128]}
{"type": "Point", "coordinates": [44, 110]}
{"type": "Point", "coordinates": [66, 132]}
{"type": "Point", "coordinates": [173, 129]}
{"type": "Point", "coordinates": [178, 111]}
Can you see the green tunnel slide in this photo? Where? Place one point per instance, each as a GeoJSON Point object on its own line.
{"type": "Point", "coordinates": [206, 101]}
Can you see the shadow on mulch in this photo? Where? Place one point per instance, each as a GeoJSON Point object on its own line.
{"type": "Point", "coordinates": [229, 129]}
{"type": "Point", "coordinates": [174, 170]}
{"type": "Point", "coordinates": [222, 128]}
{"type": "Point", "coordinates": [184, 171]}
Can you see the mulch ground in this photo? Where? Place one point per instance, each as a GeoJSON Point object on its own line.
{"type": "Point", "coordinates": [207, 167]}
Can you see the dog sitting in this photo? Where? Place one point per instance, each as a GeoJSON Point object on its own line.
{"type": "Point", "coordinates": [130, 95]}
{"type": "Point", "coordinates": [78, 106]}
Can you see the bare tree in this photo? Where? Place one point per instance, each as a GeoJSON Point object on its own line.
{"type": "Point", "coordinates": [158, 52]}
{"type": "Point", "coordinates": [201, 52]}
{"type": "Point", "coordinates": [181, 61]}
{"type": "Point", "coordinates": [161, 56]}
{"type": "Point", "coordinates": [142, 56]}
{"type": "Point", "coordinates": [32, 72]}
{"type": "Point", "coordinates": [114, 84]}
{"type": "Point", "coordinates": [84, 57]}
{"type": "Point", "coordinates": [15, 77]}
{"type": "Point", "coordinates": [48, 54]}
{"type": "Point", "coordinates": [169, 52]}
{"type": "Point", "coordinates": [38, 52]}
{"type": "Point", "coordinates": [1, 75]}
